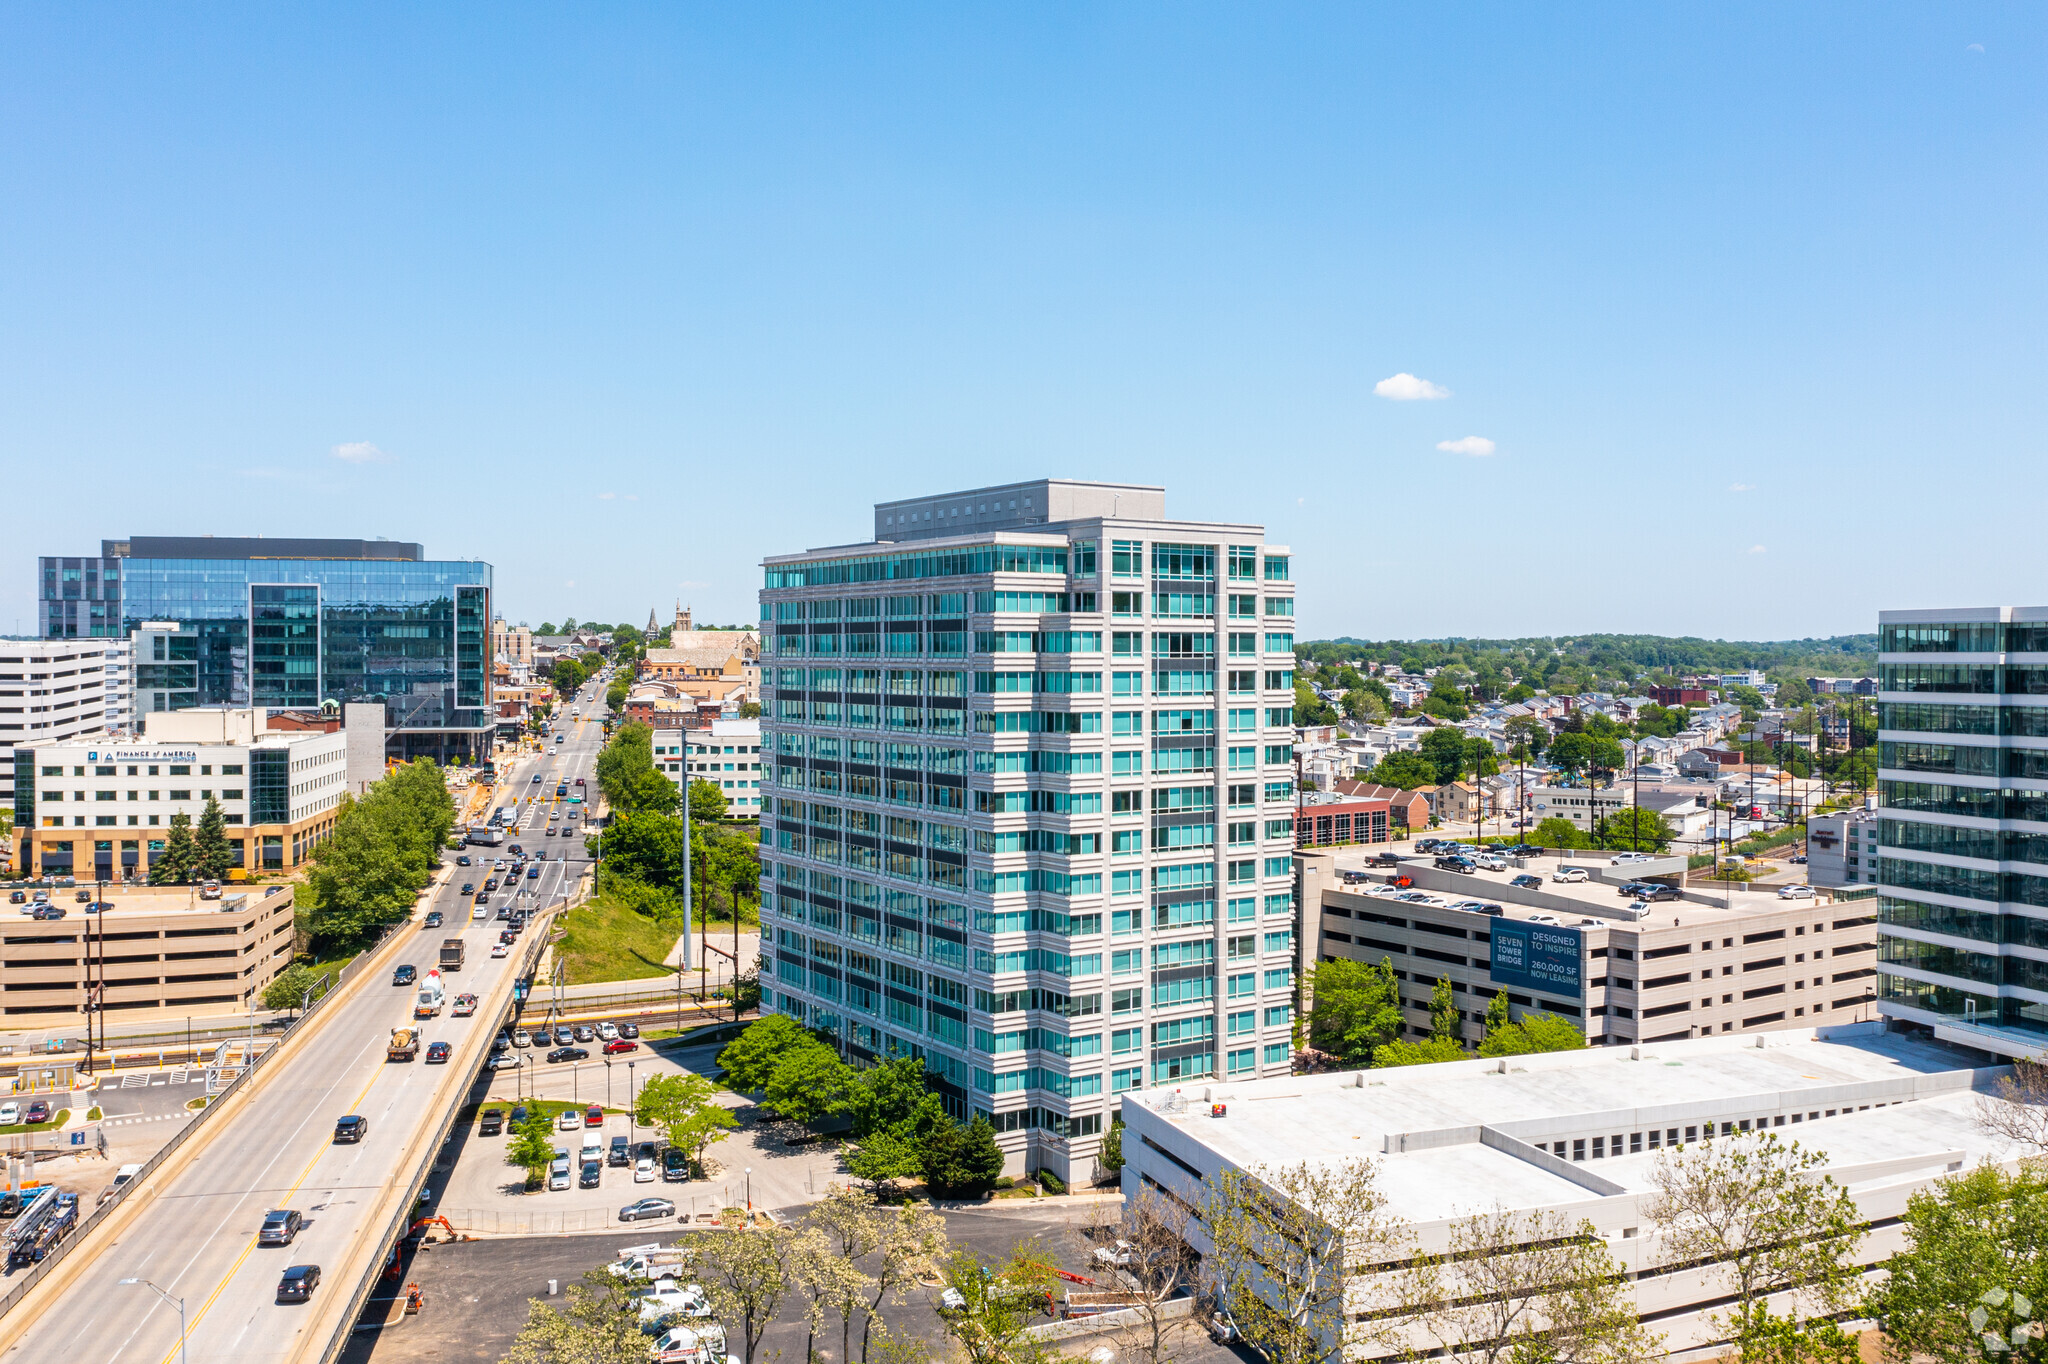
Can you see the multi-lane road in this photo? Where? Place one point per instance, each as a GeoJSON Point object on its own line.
{"type": "Point", "coordinates": [196, 1239]}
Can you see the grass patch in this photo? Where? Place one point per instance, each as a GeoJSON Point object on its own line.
{"type": "Point", "coordinates": [196, 1104]}
{"type": "Point", "coordinates": [57, 1119]}
{"type": "Point", "coordinates": [94, 1114]}
{"type": "Point", "coordinates": [605, 940]}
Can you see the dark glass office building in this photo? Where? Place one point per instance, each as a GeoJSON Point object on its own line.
{"type": "Point", "coordinates": [293, 623]}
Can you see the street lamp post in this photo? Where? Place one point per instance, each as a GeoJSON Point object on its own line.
{"type": "Point", "coordinates": [167, 1298]}
{"type": "Point", "coordinates": [632, 1098]}
{"type": "Point", "coordinates": [750, 1188]}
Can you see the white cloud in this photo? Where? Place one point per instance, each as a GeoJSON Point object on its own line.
{"type": "Point", "coordinates": [606, 497]}
{"type": "Point", "coordinates": [1742, 487]}
{"type": "Point", "coordinates": [359, 452]}
{"type": "Point", "coordinates": [1757, 549]}
{"type": "Point", "coordinates": [1974, 47]}
{"type": "Point", "coordinates": [1406, 388]}
{"type": "Point", "coordinates": [570, 583]}
{"type": "Point", "coordinates": [1470, 445]}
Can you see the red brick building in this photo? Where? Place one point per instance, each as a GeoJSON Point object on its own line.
{"type": "Point", "coordinates": [1679, 696]}
{"type": "Point", "coordinates": [1341, 821]}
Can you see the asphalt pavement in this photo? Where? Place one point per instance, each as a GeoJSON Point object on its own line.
{"type": "Point", "coordinates": [196, 1239]}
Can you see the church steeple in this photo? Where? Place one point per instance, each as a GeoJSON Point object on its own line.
{"type": "Point", "coordinates": [683, 616]}
{"type": "Point", "coordinates": [652, 626]}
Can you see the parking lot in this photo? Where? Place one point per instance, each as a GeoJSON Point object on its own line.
{"type": "Point", "coordinates": [480, 1193]}
{"type": "Point", "coordinates": [478, 1293]}
{"type": "Point", "coordinates": [1593, 897]}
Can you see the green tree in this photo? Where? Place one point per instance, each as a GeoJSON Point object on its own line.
{"type": "Point", "coordinates": [1497, 1016]}
{"type": "Point", "coordinates": [747, 1272]}
{"type": "Point", "coordinates": [289, 988]}
{"type": "Point", "coordinates": [1446, 1023]}
{"type": "Point", "coordinates": [532, 1147]}
{"type": "Point", "coordinates": [1569, 753]}
{"type": "Point", "coordinates": [547, 627]}
{"type": "Point", "coordinates": [1763, 1212]}
{"type": "Point", "coordinates": [893, 1097]}
{"type": "Point", "coordinates": [628, 755]}
{"type": "Point", "coordinates": [685, 1110]}
{"type": "Point", "coordinates": [703, 1127]}
{"type": "Point", "coordinates": [1444, 751]}
{"type": "Point", "coordinates": [885, 1155]}
{"type": "Point", "coordinates": [1558, 832]}
{"type": "Point", "coordinates": [1310, 709]}
{"type": "Point", "coordinates": [598, 1324]}
{"type": "Point", "coordinates": [173, 866]}
{"type": "Point", "coordinates": [1110, 1155]}
{"type": "Point", "coordinates": [1405, 769]}
{"type": "Point", "coordinates": [1355, 1008]}
{"type": "Point", "coordinates": [750, 710]}
{"type": "Point", "coordinates": [998, 1308]}
{"type": "Point", "coordinates": [1534, 1032]}
{"type": "Point", "coordinates": [211, 855]}
{"type": "Point", "coordinates": [1966, 1235]}
{"type": "Point", "coordinates": [749, 1059]}
{"type": "Point", "coordinates": [1519, 693]}
{"type": "Point", "coordinates": [707, 803]}
{"type": "Point", "coordinates": [645, 847]}
{"type": "Point", "coordinates": [1638, 828]}
{"type": "Point", "coordinates": [1364, 707]}
{"type": "Point", "coordinates": [808, 1083]}
{"type": "Point", "coordinates": [968, 1165]}
{"type": "Point", "coordinates": [1605, 754]}
{"type": "Point", "coordinates": [1403, 1053]}
{"type": "Point", "coordinates": [1525, 736]}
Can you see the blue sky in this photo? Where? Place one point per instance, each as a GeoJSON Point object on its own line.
{"type": "Point", "coordinates": [1747, 300]}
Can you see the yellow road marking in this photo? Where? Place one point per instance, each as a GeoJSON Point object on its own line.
{"type": "Point", "coordinates": [234, 1268]}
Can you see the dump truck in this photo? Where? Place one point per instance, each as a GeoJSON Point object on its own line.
{"type": "Point", "coordinates": [430, 997]}
{"type": "Point", "coordinates": [451, 954]}
{"type": "Point", "coordinates": [405, 1044]}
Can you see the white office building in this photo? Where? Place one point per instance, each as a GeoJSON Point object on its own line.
{"type": "Point", "coordinates": [727, 754]}
{"type": "Point", "coordinates": [1029, 752]}
{"type": "Point", "coordinates": [1962, 718]}
{"type": "Point", "coordinates": [52, 690]}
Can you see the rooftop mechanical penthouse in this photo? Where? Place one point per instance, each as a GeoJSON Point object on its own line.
{"type": "Point", "coordinates": [1027, 801]}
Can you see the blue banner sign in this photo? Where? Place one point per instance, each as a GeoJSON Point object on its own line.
{"type": "Point", "coordinates": [1542, 957]}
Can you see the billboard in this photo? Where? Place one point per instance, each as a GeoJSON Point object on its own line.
{"type": "Point", "coordinates": [1542, 957]}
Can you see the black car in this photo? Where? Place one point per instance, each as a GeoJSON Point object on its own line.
{"type": "Point", "coordinates": [405, 975]}
{"type": "Point", "coordinates": [351, 1128]}
{"type": "Point", "coordinates": [518, 1115]}
{"type": "Point", "coordinates": [1524, 850]}
{"type": "Point", "coordinates": [1632, 890]}
{"type": "Point", "coordinates": [298, 1283]}
{"type": "Point", "coordinates": [629, 1029]}
{"type": "Point", "coordinates": [621, 1152]}
{"type": "Point", "coordinates": [433, 918]}
{"type": "Point", "coordinates": [492, 1124]}
{"type": "Point", "coordinates": [482, 898]}
{"type": "Point", "coordinates": [569, 1054]}
{"type": "Point", "coordinates": [1385, 859]}
{"type": "Point", "coordinates": [1455, 863]}
{"type": "Point", "coordinates": [516, 850]}
{"type": "Point", "coordinates": [675, 1166]}
{"type": "Point", "coordinates": [280, 1225]}
{"type": "Point", "coordinates": [463, 861]}
{"type": "Point", "coordinates": [1654, 891]}
{"type": "Point", "coordinates": [17, 897]}
{"type": "Point", "coordinates": [1423, 845]}
{"type": "Point", "coordinates": [469, 887]}
{"type": "Point", "coordinates": [646, 1208]}
{"type": "Point", "coordinates": [1527, 882]}
{"type": "Point", "coordinates": [437, 1053]}
{"type": "Point", "coordinates": [491, 884]}
{"type": "Point", "coordinates": [592, 1175]}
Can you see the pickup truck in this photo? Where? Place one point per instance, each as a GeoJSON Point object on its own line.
{"type": "Point", "coordinates": [650, 1262]}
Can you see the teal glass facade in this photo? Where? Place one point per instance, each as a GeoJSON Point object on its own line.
{"type": "Point", "coordinates": [297, 632]}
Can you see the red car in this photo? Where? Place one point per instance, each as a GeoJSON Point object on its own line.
{"type": "Point", "coordinates": [618, 1045]}
{"type": "Point", "coordinates": [593, 1116]}
{"type": "Point", "coordinates": [39, 1111]}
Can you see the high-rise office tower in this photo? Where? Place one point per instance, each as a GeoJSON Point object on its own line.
{"type": "Point", "coordinates": [1028, 801]}
{"type": "Point", "coordinates": [291, 624]}
{"type": "Point", "coordinates": [1962, 718]}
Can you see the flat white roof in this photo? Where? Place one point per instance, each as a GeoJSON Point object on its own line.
{"type": "Point", "coordinates": [1424, 1123]}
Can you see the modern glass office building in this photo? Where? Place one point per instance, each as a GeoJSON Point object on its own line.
{"type": "Point", "coordinates": [1027, 801]}
{"type": "Point", "coordinates": [1963, 824]}
{"type": "Point", "coordinates": [292, 624]}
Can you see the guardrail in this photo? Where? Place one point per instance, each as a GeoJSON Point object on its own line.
{"type": "Point", "coordinates": [395, 1230]}
{"type": "Point", "coordinates": [62, 1250]}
